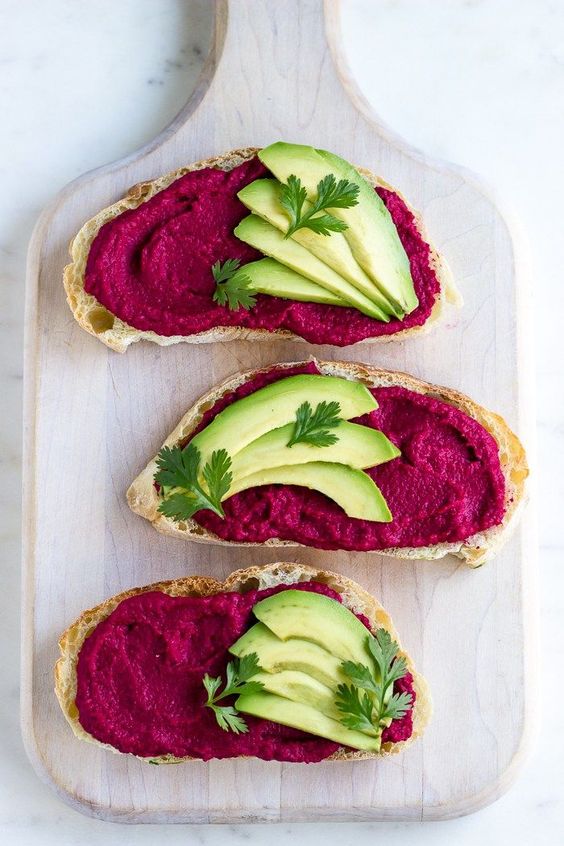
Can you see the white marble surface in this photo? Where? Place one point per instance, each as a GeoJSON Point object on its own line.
{"type": "Point", "coordinates": [84, 83]}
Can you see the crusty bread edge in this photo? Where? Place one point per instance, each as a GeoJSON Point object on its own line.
{"type": "Point", "coordinates": [118, 335]}
{"type": "Point", "coordinates": [353, 596]}
{"type": "Point", "coordinates": [476, 550]}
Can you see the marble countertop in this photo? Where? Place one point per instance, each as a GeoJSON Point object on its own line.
{"type": "Point", "coordinates": [82, 84]}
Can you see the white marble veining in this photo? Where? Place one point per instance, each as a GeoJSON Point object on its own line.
{"type": "Point", "coordinates": [479, 82]}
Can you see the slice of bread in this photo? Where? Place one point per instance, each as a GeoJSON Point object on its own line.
{"type": "Point", "coordinates": [353, 597]}
{"type": "Point", "coordinates": [144, 500]}
{"type": "Point", "coordinates": [118, 335]}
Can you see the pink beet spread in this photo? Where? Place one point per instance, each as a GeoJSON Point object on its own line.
{"type": "Point", "coordinates": [151, 266]}
{"type": "Point", "coordinates": [446, 485]}
{"type": "Point", "coordinates": [139, 680]}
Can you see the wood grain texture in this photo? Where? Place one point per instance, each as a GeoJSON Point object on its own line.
{"type": "Point", "coordinates": [94, 417]}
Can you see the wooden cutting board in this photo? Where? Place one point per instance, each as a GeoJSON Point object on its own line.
{"type": "Point", "coordinates": [93, 418]}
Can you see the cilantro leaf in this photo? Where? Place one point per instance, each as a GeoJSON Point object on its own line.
{"type": "Point", "coordinates": [229, 720]}
{"type": "Point", "coordinates": [311, 427]}
{"type": "Point", "coordinates": [292, 197]}
{"type": "Point", "coordinates": [216, 474]}
{"type": "Point", "coordinates": [398, 705]}
{"type": "Point", "coordinates": [374, 708]}
{"type": "Point", "coordinates": [178, 476]}
{"type": "Point", "coordinates": [223, 272]}
{"type": "Point", "coordinates": [336, 195]}
{"type": "Point", "coordinates": [360, 675]}
{"type": "Point", "coordinates": [330, 195]}
{"type": "Point", "coordinates": [237, 682]}
{"type": "Point", "coordinates": [211, 685]}
{"type": "Point", "coordinates": [248, 666]}
{"type": "Point", "coordinates": [356, 708]}
{"type": "Point", "coordinates": [324, 224]}
{"type": "Point", "coordinates": [385, 653]}
{"type": "Point", "coordinates": [232, 288]}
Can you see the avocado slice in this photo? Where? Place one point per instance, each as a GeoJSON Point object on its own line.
{"type": "Point", "coordinates": [270, 277]}
{"type": "Point", "coordinates": [300, 687]}
{"type": "Point", "coordinates": [357, 446]}
{"type": "Point", "coordinates": [352, 489]}
{"type": "Point", "coordinates": [275, 405]}
{"type": "Point", "coordinates": [263, 198]}
{"type": "Point", "coordinates": [297, 715]}
{"type": "Point", "coordinates": [371, 233]}
{"type": "Point", "coordinates": [276, 655]}
{"type": "Point", "coordinates": [313, 616]}
{"type": "Point", "coordinates": [262, 236]}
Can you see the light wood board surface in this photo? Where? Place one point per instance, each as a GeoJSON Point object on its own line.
{"type": "Point", "coordinates": [93, 418]}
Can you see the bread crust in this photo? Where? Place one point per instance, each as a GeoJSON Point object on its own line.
{"type": "Point", "coordinates": [353, 597]}
{"type": "Point", "coordinates": [118, 335]}
{"type": "Point", "coordinates": [475, 550]}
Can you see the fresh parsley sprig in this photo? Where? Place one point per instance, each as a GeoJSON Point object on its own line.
{"type": "Point", "coordinates": [233, 286]}
{"type": "Point", "coordinates": [356, 708]}
{"type": "Point", "coordinates": [376, 706]}
{"type": "Point", "coordinates": [179, 474]}
{"type": "Point", "coordinates": [330, 195]}
{"type": "Point", "coordinates": [311, 427]}
{"type": "Point", "coordinates": [237, 683]}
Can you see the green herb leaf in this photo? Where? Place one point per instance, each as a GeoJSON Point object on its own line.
{"type": "Point", "coordinates": [292, 197]}
{"type": "Point", "coordinates": [233, 287]}
{"type": "Point", "coordinates": [211, 685]}
{"type": "Point", "coordinates": [374, 709]}
{"type": "Point", "coordinates": [330, 195]}
{"type": "Point", "coordinates": [336, 195]}
{"type": "Point", "coordinates": [360, 675]}
{"type": "Point", "coordinates": [216, 474]}
{"type": "Point", "coordinates": [356, 708]}
{"type": "Point", "coordinates": [178, 476]}
{"type": "Point", "coordinates": [224, 272]}
{"type": "Point", "coordinates": [248, 666]}
{"type": "Point", "coordinates": [237, 676]}
{"type": "Point", "coordinates": [398, 705]}
{"type": "Point", "coordinates": [311, 427]}
{"type": "Point", "coordinates": [229, 720]}
{"type": "Point", "coordinates": [324, 224]}
{"type": "Point", "coordinates": [384, 650]}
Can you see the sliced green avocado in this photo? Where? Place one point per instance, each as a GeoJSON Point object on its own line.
{"type": "Point", "coordinates": [275, 405]}
{"type": "Point", "coordinates": [301, 687]}
{"type": "Point", "coordinates": [352, 489]}
{"type": "Point", "coordinates": [263, 198]}
{"type": "Point", "coordinates": [262, 236]}
{"type": "Point", "coordinates": [371, 233]}
{"type": "Point", "coordinates": [357, 446]}
{"type": "Point", "coordinates": [276, 655]}
{"type": "Point", "coordinates": [316, 617]}
{"type": "Point", "coordinates": [269, 706]}
{"type": "Point", "coordinates": [270, 277]}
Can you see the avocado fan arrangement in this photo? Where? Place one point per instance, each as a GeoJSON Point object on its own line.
{"type": "Point", "coordinates": [349, 256]}
{"type": "Point", "coordinates": [309, 663]}
{"type": "Point", "coordinates": [299, 660]}
{"type": "Point", "coordinates": [277, 436]}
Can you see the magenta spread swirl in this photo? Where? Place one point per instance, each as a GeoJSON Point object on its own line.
{"type": "Point", "coordinates": [151, 266]}
{"type": "Point", "coordinates": [446, 485]}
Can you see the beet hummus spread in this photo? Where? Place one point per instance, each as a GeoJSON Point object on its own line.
{"type": "Point", "coordinates": [446, 485]}
{"type": "Point", "coordinates": [139, 680]}
{"type": "Point", "coordinates": [151, 266]}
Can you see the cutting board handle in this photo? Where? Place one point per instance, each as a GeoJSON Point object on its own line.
{"type": "Point", "coordinates": [285, 35]}
{"type": "Point", "coordinates": [273, 64]}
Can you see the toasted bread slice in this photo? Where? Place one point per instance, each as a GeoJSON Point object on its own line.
{"type": "Point", "coordinates": [118, 335]}
{"type": "Point", "coordinates": [353, 597]}
{"type": "Point", "coordinates": [475, 550]}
